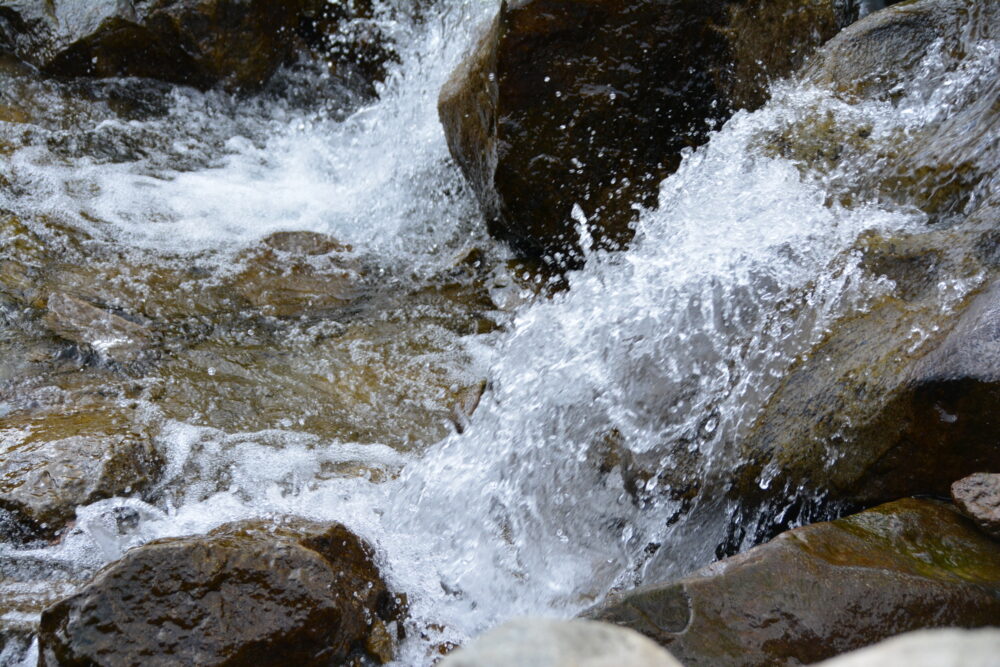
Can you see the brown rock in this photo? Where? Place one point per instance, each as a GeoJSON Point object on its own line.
{"type": "Point", "coordinates": [108, 334]}
{"type": "Point", "coordinates": [293, 273]}
{"type": "Point", "coordinates": [824, 589]}
{"type": "Point", "coordinates": [589, 104]}
{"type": "Point", "coordinates": [239, 43]}
{"type": "Point", "coordinates": [53, 463]}
{"type": "Point", "coordinates": [295, 593]}
{"type": "Point", "coordinates": [978, 496]}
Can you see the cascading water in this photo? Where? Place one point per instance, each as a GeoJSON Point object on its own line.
{"type": "Point", "coordinates": [664, 352]}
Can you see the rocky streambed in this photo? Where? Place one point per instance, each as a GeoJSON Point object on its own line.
{"type": "Point", "coordinates": [344, 332]}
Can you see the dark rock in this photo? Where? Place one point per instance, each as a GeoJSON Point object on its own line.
{"type": "Point", "coordinates": [565, 104]}
{"type": "Point", "coordinates": [53, 463]}
{"type": "Point", "coordinates": [296, 593]}
{"type": "Point", "coordinates": [239, 43]}
{"type": "Point", "coordinates": [978, 496]}
{"type": "Point", "coordinates": [106, 333]}
{"type": "Point", "coordinates": [824, 589]}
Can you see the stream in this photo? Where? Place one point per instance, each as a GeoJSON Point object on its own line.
{"type": "Point", "coordinates": [661, 354]}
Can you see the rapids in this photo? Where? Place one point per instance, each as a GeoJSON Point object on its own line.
{"type": "Point", "coordinates": [670, 348]}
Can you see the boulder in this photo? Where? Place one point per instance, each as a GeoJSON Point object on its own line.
{"type": "Point", "coordinates": [239, 43]}
{"type": "Point", "coordinates": [570, 113]}
{"type": "Point", "coordinates": [538, 642]}
{"type": "Point", "coordinates": [978, 496]}
{"type": "Point", "coordinates": [898, 399]}
{"type": "Point", "coordinates": [52, 463]}
{"type": "Point", "coordinates": [818, 591]}
{"type": "Point", "coordinates": [928, 648]}
{"type": "Point", "coordinates": [291, 593]}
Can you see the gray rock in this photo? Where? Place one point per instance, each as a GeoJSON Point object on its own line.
{"type": "Point", "coordinates": [818, 591]}
{"type": "Point", "coordinates": [533, 642]}
{"type": "Point", "coordinates": [978, 496]}
{"type": "Point", "coordinates": [928, 648]}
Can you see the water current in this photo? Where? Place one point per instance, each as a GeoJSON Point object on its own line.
{"type": "Point", "coordinates": [666, 350]}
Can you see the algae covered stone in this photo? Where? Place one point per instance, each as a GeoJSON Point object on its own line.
{"type": "Point", "coordinates": [293, 592]}
{"type": "Point", "coordinates": [818, 591]}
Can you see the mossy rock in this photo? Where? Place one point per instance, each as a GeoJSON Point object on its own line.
{"type": "Point", "coordinates": [818, 591]}
{"type": "Point", "coordinates": [589, 104]}
{"type": "Point", "coordinates": [292, 592]}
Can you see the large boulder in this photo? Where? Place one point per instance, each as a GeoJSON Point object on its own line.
{"type": "Point", "coordinates": [928, 648]}
{"type": "Point", "coordinates": [551, 643]}
{"type": "Point", "coordinates": [899, 399]}
{"type": "Point", "coordinates": [239, 43]}
{"type": "Point", "coordinates": [292, 593]}
{"type": "Point", "coordinates": [51, 463]}
{"type": "Point", "coordinates": [570, 111]}
{"type": "Point", "coordinates": [818, 591]}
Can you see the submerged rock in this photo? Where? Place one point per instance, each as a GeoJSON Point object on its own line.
{"type": "Point", "coordinates": [928, 648]}
{"type": "Point", "coordinates": [824, 589]}
{"type": "Point", "coordinates": [53, 463]}
{"type": "Point", "coordinates": [571, 113]}
{"type": "Point", "coordinates": [978, 496]}
{"type": "Point", "coordinates": [293, 273]}
{"type": "Point", "coordinates": [108, 334]}
{"type": "Point", "coordinates": [198, 42]}
{"type": "Point", "coordinates": [258, 593]}
{"type": "Point", "coordinates": [551, 643]}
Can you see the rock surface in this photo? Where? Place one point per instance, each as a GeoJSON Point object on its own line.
{"type": "Point", "coordinates": [248, 593]}
{"type": "Point", "coordinates": [534, 642]}
{"type": "Point", "coordinates": [196, 42]}
{"type": "Point", "coordinates": [929, 648]}
{"type": "Point", "coordinates": [821, 590]}
{"type": "Point", "coordinates": [978, 496]}
{"type": "Point", "coordinates": [53, 463]}
{"type": "Point", "coordinates": [569, 111]}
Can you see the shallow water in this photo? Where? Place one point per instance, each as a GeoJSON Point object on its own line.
{"type": "Point", "coordinates": [666, 350]}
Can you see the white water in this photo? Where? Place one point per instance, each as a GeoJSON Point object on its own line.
{"type": "Point", "coordinates": [673, 344]}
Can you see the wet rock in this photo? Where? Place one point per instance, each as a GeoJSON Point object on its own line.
{"type": "Point", "coordinates": [53, 463]}
{"type": "Point", "coordinates": [978, 496]}
{"type": "Point", "coordinates": [896, 401]}
{"type": "Point", "coordinates": [296, 592]}
{"type": "Point", "coordinates": [928, 648]}
{"type": "Point", "coordinates": [824, 589]}
{"type": "Point", "coordinates": [941, 165]}
{"type": "Point", "coordinates": [196, 42]}
{"type": "Point", "coordinates": [292, 273]}
{"type": "Point", "coordinates": [569, 112]}
{"type": "Point", "coordinates": [876, 56]}
{"type": "Point", "coordinates": [108, 334]}
{"type": "Point", "coordinates": [550, 643]}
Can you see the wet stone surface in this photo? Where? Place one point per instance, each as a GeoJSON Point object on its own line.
{"type": "Point", "coordinates": [978, 496]}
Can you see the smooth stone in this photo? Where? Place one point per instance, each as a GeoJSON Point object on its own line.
{"type": "Point", "coordinates": [537, 642]}
{"type": "Point", "coordinates": [108, 334]}
{"type": "Point", "coordinates": [928, 648]}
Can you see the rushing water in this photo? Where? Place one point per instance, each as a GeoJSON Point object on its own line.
{"type": "Point", "coordinates": [666, 350]}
